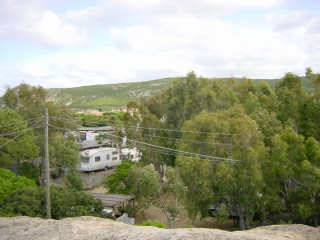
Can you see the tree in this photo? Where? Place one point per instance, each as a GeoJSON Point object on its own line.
{"type": "Point", "coordinates": [169, 196]}
{"type": "Point", "coordinates": [30, 102]}
{"type": "Point", "coordinates": [291, 95]}
{"type": "Point", "coordinates": [197, 176]}
{"type": "Point", "coordinates": [117, 181]}
{"type": "Point", "coordinates": [144, 184]}
{"type": "Point", "coordinates": [172, 196]}
{"type": "Point", "coordinates": [64, 153]}
{"type": "Point", "coordinates": [14, 133]}
{"type": "Point", "coordinates": [267, 97]}
{"type": "Point", "coordinates": [283, 168]}
{"type": "Point", "coordinates": [241, 140]}
{"type": "Point", "coordinates": [64, 203]}
{"type": "Point", "coordinates": [27, 100]}
{"type": "Point", "coordinates": [9, 182]}
{"type": "Point", "coordinates": [240, 185]}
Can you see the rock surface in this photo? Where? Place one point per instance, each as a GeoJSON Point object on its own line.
{"type": "Point", "coordinates": [26, 228]}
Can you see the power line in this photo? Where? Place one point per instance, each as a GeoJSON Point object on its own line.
{"type": "Point", "coordinates": [179, 151]}
{"type": "Point", "coordinates": [164, 129]}
{"type": "Point", "coordinates": [170, 150]}
{"type": "Point", "coordinates": [12, 131]}
{"type": "Point", "coordinates": [31, 127]}
{"type": "Point", "coordinates": [24, 121]}
{"type": "Point", "coordinates": [193, 141]}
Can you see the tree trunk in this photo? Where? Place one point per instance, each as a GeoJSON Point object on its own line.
{"type": "Point", "coordinates": [242, 223]}
{"type": "Point", "coordinates": [286, 202]}
{"type": "Point", "coordinates": [315, 221]}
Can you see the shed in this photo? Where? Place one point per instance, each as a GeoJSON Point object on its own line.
{"type": "Point", "coordinates": [114, 200]}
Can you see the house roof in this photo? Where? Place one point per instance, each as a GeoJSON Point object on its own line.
{"type": "Point", "coordinates": [94, 129]}
{"type": "Point", "coordinates": [112, 200]}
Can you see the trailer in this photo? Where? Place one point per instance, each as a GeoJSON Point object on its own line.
{"type": "Point", "coordinates": [131, 154]}
{"type": "Point", "coordinates": [99, 159]}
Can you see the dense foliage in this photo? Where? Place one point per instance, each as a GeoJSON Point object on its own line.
{"type": "Point", "coordinates": [15, 131]}
{"type": "Point", "coordinates": [272, 132]}
{"type": "Point", "coordinates": [30, 201]}
{"type": "Point", "coordinates": [257, 149]}
{"type": "Point", "coordinates": [9, 182]}
{"type": "Point", "coordinates": [22, 125]}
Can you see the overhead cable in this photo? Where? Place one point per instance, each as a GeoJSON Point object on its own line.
{"type": "Point", "coordinates": [164, 129]}
{"type": "Point", "coordinates": [21, 132]}
{"type": "Point", "coordinates": [24, 121]}
{"type": "Point", "coordinates": [179, 151]}
{"type": "Point", "coordinates": [13, 131]}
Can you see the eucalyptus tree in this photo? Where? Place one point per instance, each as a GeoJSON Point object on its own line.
{"type": "Point", "coordinates": [228, 134]}
{"type": "Point", "coordinates": [17, 141]}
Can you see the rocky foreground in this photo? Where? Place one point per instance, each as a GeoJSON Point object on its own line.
{"type": "Point", "coordinates": [26, 228]}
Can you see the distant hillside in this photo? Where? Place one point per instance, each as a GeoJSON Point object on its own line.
{"type": "Point", "coordinates": [108, 95]}
{"type": "Point", "coordinates": [117, 95]}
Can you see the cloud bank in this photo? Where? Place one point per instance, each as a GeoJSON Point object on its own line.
{"type": "Point", "coordinates": [109, 41]}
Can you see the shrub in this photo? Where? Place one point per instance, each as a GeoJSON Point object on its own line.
{"type": "Point", "coordinates": [154, 223]}
{"type": "Point", "coordinates": [10, 182]}
{"type": "Point", "coordinates": [64, 203]}
{"type": "Point", "coordinates": [74, 182]}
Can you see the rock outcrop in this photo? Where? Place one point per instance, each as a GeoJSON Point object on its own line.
{"type": "Point", "coordinates": [26, 228]}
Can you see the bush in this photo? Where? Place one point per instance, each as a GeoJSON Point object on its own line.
{"type": "Point", "coordinates": [156, 223]}
{"type": "Point", "coordinates": [10, 182]}
{"type": "Point", "coordinates": [64, 203]}
{"type": "Point", "coordinates": [285, 223]}
{"type": "Point", "coordinates": [189, 226]}
{"type": "Point", "coordinates": [116, 182]}
{"type": "Point", "coordinates": [74, 182]}
{"type": "Point", "coordinates": [30, 171]}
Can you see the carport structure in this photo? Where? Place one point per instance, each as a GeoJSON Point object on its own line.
{"type": "Point", "coordinates": [114, 200]}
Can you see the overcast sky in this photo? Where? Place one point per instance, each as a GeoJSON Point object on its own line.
{"type": "Point", "coordinates": [67, 43]}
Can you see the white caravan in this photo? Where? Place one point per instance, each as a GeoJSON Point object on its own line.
{"type": "Point", "coordinates": [131, 154]}
{"type": "Point", "coordinates": [100, 158]}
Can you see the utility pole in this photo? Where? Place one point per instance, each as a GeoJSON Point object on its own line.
{"type": "Point", "coordinates": [46, 158]}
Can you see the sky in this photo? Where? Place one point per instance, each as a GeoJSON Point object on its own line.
{"type": "Point", "coordinates": [70, 43]}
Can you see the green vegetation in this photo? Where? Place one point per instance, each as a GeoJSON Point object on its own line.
{"type": "Point", "coordinates": [64, 203]}
{"type": "Point", "coordinates": [118, 95]}
{"type": "Point", "coordinates": [109, 95]}
{"type": "Point", "coordinates": [15, 130]}
{"type": "Point", "coordinates": [25, 106]}
{"type": "Point", "coordinates": [9, 182]}
{"type": "Point", "coordinates": [154, 223]}
{"type": "Point", "coordinates": [74, 182]}
{"type": "Point", "coordinates": [272, 133]}
{"type": "Point", "coordinates": [92, 120]}
{"type": "Point", "coordinates": [144, 184]}
{"type": "Point", "coordinates": [117, 182]}
{"type": "Point", "coordinates": [244, 146]}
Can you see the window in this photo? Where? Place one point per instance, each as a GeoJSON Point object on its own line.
{"type": "Point", "coordinates": [108, 157]}
{"type": "Point", "coordinates": [84, 159]}
{"type": "Point", "coordinates": [114, 158]}
{"type": "Point", "coordinates": [97, 159]}
{"type": "Point", "coordinates": [114, 152]}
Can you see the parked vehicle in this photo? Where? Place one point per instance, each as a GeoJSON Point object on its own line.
{"type": "Point", "coordinates": [98, 159]}
{"type": "Point", "coordinates": [131, 154]}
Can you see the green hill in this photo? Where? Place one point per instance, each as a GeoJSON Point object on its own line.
{"type": "Point", "coordinates": [117, 95]}
{"type": "Point", "coordinates": [108, 95]}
